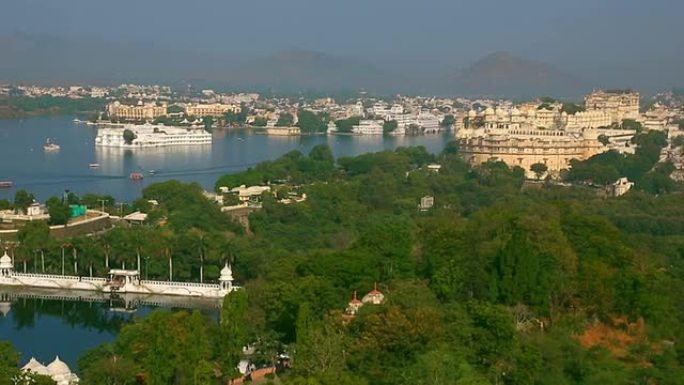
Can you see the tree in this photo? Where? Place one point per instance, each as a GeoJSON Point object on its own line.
{"type": "Point", "coordinates": [285, 120]}
{"type": "Point", "coordinates": [259, 122]}
{"type": "Point", "coordinates": [678, 141]}
{"type": "Point", "coordinates": [320, 349]}
{"type": "Point", "coordinates": [346, 125]}
{"type": "Point", "coordinates": [59, 211]}
{"type": "Point", "coordinates": [571, 108]}
{"type": "Point", "coordinates": [311, 122]}
{"type": "Point", "coordinates": [174, 109]}
{"type": "Point", "coordinates": [9, 362]}
{"type": "Point", "coordinates": [603, 139]}
{"type": "Point", "coordinates": [208, 122]}
{"type": "Point", "coordinates": [129, 136]}
{"type": "Point", "coordinates": [35, 236]}
{"type": "Point", "coordinates": [448, 121]}
{"type": "Point", "coordinates": [22, 200]}
{"type": "Point", "coordinates": [539, 169]}
{"type": "Point", "coordinates": [389, 126]}
{"type": "Point", "coordinates": [233, 334]}
{"type": "Point", "coordinates": [631, 124]}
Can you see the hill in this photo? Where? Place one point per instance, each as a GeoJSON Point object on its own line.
{"type": "Point", "coordinates": [297, 70]}
{"type": "Point", "coordinates": [505, 75]}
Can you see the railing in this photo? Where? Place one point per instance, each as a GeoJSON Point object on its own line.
{"type": "Point", "coordinates": [180, 284]}
{"type": "Point", "coordinates": [46, 276]}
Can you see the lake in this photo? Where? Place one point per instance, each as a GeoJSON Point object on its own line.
{"type": "Point", "coordinates": [43, 327]}
{"type": "Point", "coordinates": [23, 160]}
{"type": "Point", "coordinates": [47, 323]}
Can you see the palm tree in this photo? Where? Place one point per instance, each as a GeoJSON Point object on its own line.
{"type": "Point", "coordinates": [198, 236]}
{"type": "Point", "coordinates": [169, 255]}
{"type": "Point", "coordinates": [64, 246]}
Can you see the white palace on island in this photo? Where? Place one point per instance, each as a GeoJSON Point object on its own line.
{"type": "Point", "coordinates": [119, 281]}
{"type": "Point", "coordinates": [152, 135]}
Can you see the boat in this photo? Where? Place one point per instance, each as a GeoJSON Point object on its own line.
{"type": "Point", "coordinates": [51, 146]}
{"type": "Point", "coordinates": [94, 165]}
{"type": "Point", "coordinates": [6, 184]}
{"type": "Point", "coordinates": [152, 172]}
{"type": "Point", "coordinates": [136, 176]}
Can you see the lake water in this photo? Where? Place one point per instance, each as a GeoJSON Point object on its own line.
{"type": "Point", "coordinates": [69, 327]}
{"type": "Point", "coordinates": [23, 160]}
{"type": "Point", "coordinates": [44, 323]}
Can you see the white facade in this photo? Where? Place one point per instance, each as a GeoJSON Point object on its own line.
{"type": "Point", "coordinates": [369, 127]}
{"type": "Point", "coordinates": [149, 135]}
{"type": "Point", "coordinates": [119, 281]}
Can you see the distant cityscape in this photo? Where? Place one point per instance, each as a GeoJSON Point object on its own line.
{"type": "Point", "coordinates": [542, 131]}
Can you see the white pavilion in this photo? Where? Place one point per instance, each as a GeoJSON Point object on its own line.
{"type": "Point", "coordinates": [57, 370]}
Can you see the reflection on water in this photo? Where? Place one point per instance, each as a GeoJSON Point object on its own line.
{"type": "Point", "coordinates": [23, 160]}
{"type": "Point", "coordinates": [44, 323]}
{"type": "Point", "coordinates": [116, 161]}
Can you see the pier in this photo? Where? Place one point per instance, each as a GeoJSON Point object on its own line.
{"type": "Point", "coordinates": [120, 281]}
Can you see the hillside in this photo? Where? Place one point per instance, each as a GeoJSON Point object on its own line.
{"type": "Point", "coordinates": [308, 70]}
{"type": "Point", "coordinates": [506, 75]}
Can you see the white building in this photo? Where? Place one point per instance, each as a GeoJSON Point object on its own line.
{"type": "Point", "coordinates": [620, 187]}
{"type": "Point", "coordinates": [149, 135]}
{"type": "Point", "coordinates": [368, 127]}
{"type": "Point", "coordinates": [57, 370]}
{"type": "Point", "coordinates": [119, 281]}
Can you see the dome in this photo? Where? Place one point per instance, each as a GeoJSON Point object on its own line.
{"type": "Point", "coordinates": [58, 368]}
{"type": "Point", "coordinates": [226, 273]}
{"type": "Point", "coordinates": [489, 111]}
{"type": "Point", "coordinates": [354, 300]}
{"type": "Point", "coordinates": [35, 367]}
{"type": "Point", "coordinates": [6, 261]}
{"type": "Point", "coordinates": [374, 297]}
{"type": "Point", "coordinates": [515, 111]}
{"type": "Point", "coordinates": [472, 113]}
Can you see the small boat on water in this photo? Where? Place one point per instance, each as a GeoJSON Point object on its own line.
{"type": "Point", "coordinates": [136, 176]}
{"type": "Point", "coordinates": [6, 183]}
{"type": "Point", "coordinates": [152, 172]}
{"type": "Point", "coordinates": [48, 146]}
{"type": "Point", "coordinates": [94, 165]}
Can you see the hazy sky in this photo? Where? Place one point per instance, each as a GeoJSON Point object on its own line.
{"type": "Point", "coordinates": [572, 34]}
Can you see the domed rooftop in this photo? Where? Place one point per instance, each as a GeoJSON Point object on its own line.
{"type": "Point", "coordinates": [515, 111]}
{"type": "Point", "coordinates": [35, 367]}
{"type": "Point", "coordinates": [355, 300]}
{"type": "Point", "coordinates": [374, 297]}
{"type": "Point", "coordinates": [472, 113]}
{"type": "Point", "coordinates": [489, 111]}
{"type": "Point", "coordinates": [226, 273]}
{"type": "Point", "coordinates": [5, 261]}
{"type": "Point", "coordinates": [58, 367]}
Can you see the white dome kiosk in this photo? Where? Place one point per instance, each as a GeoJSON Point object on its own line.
{"type": "Point", "coordinates": [6, 265]}
{"type": "Point", "coordinates": [226, 279]}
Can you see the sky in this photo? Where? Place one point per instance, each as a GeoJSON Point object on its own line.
{"type": "Point", "coordinates": [589, 37]}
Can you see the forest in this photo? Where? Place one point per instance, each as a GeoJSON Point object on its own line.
{"type": "Point", "coordinates": [501, 281]}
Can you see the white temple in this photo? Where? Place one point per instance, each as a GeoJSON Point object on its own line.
{"type": "Point", "coordinates": [57, 370]}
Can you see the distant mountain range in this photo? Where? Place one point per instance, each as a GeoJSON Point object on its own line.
{"type": "Point", "coordinates": [296, 70]}
{"type": "Point", "coordinates": [28, 58]}
{"type": "Point", "coordinates": [502, 74]}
